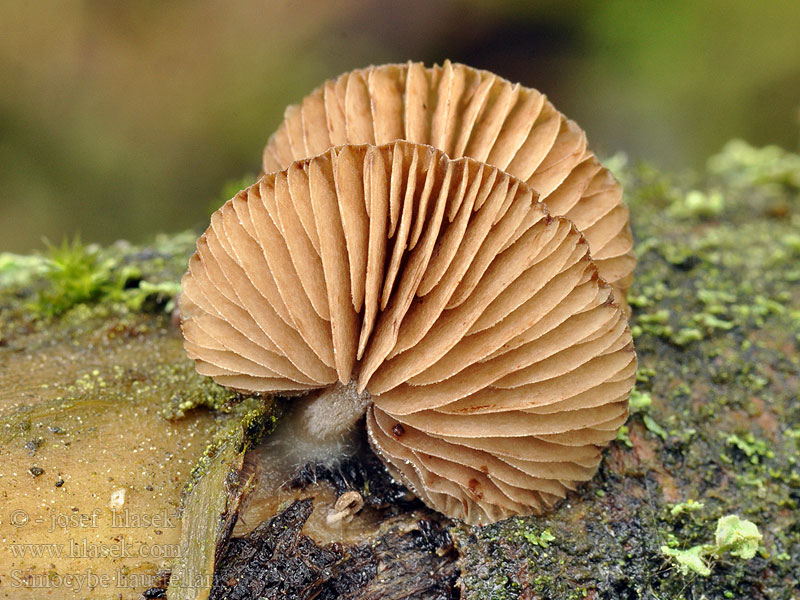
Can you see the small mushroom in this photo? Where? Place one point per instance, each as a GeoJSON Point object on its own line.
{"type": "Point", "coordinates": [437, 295]}
{"type": "Point", "coordinates": [468, 112]}
{"type": "Point", "coordinates": [347, 505]}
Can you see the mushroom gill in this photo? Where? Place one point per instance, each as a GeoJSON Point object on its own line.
{"type": "Point", "coordinates": [438, 295]}
{"type": "Point", "coordinates": [468, 112]}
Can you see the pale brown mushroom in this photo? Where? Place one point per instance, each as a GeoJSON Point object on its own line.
{"type": "Point", "coordinates": [468, 112]}
{"type": "Point", "coordinates": [440, 297]}
{"type": "Point", "coordinates": [346, 506]}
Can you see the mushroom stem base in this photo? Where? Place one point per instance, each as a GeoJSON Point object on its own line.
{"type": "Point", "coordinates": [335, 410]}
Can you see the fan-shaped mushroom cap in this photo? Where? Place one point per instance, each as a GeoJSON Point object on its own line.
{"type": "Point", "coordinates": [466, 112]}
{"type": "Point", "coordinates": [496, 359]}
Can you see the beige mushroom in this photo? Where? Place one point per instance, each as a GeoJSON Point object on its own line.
{"type": "Point", "coordinates": [345, 507]}
{"type": "Point", "coordinates": [437, 295]}
{"type": "Point", "coordinates": [467, 112]}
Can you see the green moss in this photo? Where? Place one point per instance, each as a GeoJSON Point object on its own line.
{"type": "Point", "coordinates": [76, 274]}
{"type": "Point", "coordinates": [121, 277]}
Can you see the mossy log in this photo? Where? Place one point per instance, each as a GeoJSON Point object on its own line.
{"type": "Point", "coordinates": [96, 396]}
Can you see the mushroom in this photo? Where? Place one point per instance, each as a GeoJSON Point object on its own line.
{"type": "Point", "coordinates": [467, 112]}
{"type": "Point", "coordinates": [436, 295]}
{"type": "Point", "coordinates": [347, 505]}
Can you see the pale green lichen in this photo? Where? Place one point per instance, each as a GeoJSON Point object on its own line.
{"type": "Point", "coordinates": [541, 538]}
{"type": "Point", "coordinates": [698, 204]}
{"type": "Point", "coordinates": [654, 427]}
{"type": "Point", "coordinates": [623, 435]}
{"type": "Point", "coordinates": [754, 448]}
{"type": "Point", "coordinates": [735, 536]}
{"type": "Point", "coordinates": [639, 400]}
{"type": "Point", "coordinates": [686, 507]}
{"type": "Point", "coordinates": [744, 165]}
{"type": "Point", "coordinates": [17, 270]}
{"type": "Point", "coordinates": [163, 293]}
{"type": "Point", "coordinates": [691, 559]}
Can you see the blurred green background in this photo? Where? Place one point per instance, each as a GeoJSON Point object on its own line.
{"type": "Point", "coordinates": [121, 119]}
